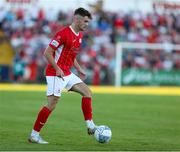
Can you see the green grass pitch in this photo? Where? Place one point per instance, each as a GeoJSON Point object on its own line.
{"type": "Point", "coordinates": [138, 122]}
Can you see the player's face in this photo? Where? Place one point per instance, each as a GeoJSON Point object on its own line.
{"type": "Point", "coordinates": [83, 23]}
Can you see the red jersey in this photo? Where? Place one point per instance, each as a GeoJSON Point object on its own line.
{"type": "Point", "coordinates": [66, 44]}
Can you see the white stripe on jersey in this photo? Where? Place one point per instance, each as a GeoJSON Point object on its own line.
{"type": "Point", "coordinates": [58, 53]}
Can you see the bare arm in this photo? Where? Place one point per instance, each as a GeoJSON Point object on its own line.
{"type": "Point", "coordinates": [48, 53]}
{"type": "Point", "coordinates": [77, 66]}
{"type": "Point", "coordinates": [79, 69]}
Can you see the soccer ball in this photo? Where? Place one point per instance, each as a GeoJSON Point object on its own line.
{"type": "Point", "coordinates": [103, 134]}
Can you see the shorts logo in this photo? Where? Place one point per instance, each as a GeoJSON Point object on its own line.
{"type": "Point", "coordinates": [54, 43]}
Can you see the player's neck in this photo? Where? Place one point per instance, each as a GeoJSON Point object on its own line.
{"type": "Point", "coordinates": [75, 29]}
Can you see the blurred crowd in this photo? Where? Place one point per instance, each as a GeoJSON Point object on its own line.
{"type": "Point", "coordinates": [30, 31]}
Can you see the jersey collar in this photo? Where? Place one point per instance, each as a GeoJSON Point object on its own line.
{"type": "Point", "coordinates": [77, 34]}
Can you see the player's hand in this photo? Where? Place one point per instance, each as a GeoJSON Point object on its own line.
{"type": "Point", "coordinates": [60, 73]}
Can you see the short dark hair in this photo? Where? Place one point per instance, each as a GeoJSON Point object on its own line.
{"type": "Point", "coordinates": [82, 12]}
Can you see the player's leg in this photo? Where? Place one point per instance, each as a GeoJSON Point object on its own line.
{"type": "Point", "coordinates": [75, 84]}
{"type": "Point", "coordinates": [86, 105]}
{"type": "Point", "coordinates": [45, 112]}
{"type": "Point", "coordinates": [54, 88]}
{"type": "Point", "coordinates": [41, 120]}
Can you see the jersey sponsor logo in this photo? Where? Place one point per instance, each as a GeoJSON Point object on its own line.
{"type": "Point", "coordinates": [75, 50]}
{"type": "Point", "coordinates": [54, 43]}
{"type": "Point", "coordinates": [80, 40]}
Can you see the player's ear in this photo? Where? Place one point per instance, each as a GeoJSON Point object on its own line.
{"type": "Point", "coordinates": [76, 18]}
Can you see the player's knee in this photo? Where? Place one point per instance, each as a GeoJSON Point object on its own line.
{"type": "Point", "coordinates": [52, 103]}
{"type": "Point", "coordinates": [88, 93]}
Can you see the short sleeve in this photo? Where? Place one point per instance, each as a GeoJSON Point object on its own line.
{"type": "Point", "coordinates": [57, 40]}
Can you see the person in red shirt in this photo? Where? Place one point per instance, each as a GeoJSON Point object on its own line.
{"type": "Point", "coordinates": [61, 56]}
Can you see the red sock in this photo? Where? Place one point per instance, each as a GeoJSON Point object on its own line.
{"type": "Point", "coordinates": [41, 119]}
{"type": "Point", "coordinates": [87, 108]}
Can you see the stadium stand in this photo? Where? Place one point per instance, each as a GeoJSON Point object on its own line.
{"type": "Point", "coordinates": [29, 31]}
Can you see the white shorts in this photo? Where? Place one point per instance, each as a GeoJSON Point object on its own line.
{"type": "Point", "coordinates": [55, 84]}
